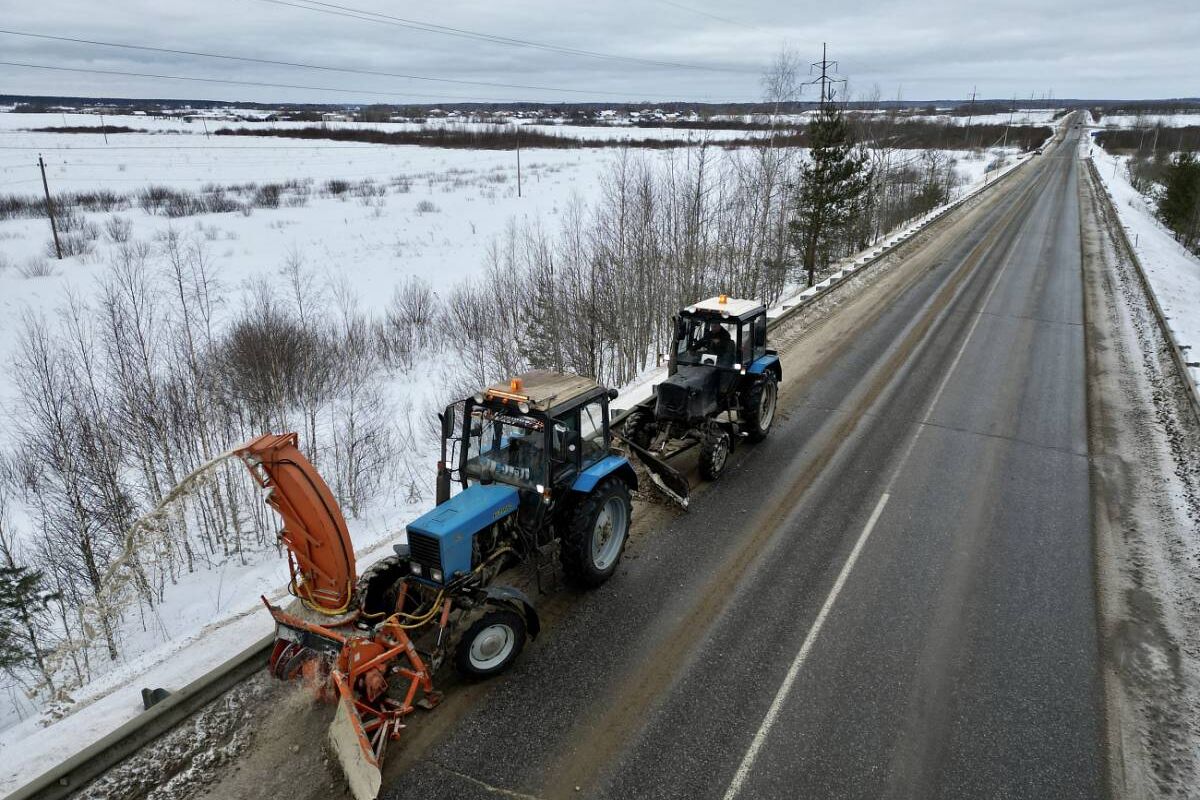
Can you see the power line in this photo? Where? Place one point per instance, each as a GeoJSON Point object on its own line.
{"type": "Point", "coordinates": [253, 83]}
{"type": "Point", "coordinates": [446, 30]}
{"type": "Point", "coordinates": [703, 13]}
{"type": "Point", "coordinates": [302, 65]}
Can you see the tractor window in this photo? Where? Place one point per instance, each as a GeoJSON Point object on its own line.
{"type": "Point", "coordinates": [760, 335]}
{"type": "Point", "coordinates": [747, 341]}
{"type": "Point", "coordinates": [592, 434]}
{"type": "Point", "coordinates": [708, 341]}
{"type": "Point", "coordinates": [504, 447]}
{"type": "Point", "coordinates": [564, 443]}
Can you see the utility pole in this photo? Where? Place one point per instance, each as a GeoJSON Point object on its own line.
{"type": "Point", "coordinates": [50, 208]}
{"type": "Point", "coordinates": [102, 129]}
{"type": "Point", "coordinates": [518, 160]}
{"type": "Point", "coordinates": [971, 114]}
{"type": "Point", "coordinates": [1011, 108]}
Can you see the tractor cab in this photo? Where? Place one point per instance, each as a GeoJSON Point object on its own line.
{"type": "Point", "coordinates": [527, 454]}
{"type": "Point", "coordinates": [540, 431]}
{"type": "Point", "coordinates": [721, 332]}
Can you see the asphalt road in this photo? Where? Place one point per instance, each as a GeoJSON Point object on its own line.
{"type": "Point", "coordinates": [891, 597]}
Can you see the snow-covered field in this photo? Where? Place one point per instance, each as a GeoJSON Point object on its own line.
{"type": "Point", "coordinates": [1174, 273]}
{"type": "Point", "coordinates": [1149, 120]}
{"type": "Point", "coordinates": [1039, 116]}
{"type": "Point", "coordinates": [439, 212]}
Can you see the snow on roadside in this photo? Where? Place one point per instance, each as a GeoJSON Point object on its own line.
{"type": "Point", "coordinates": [1173, 272]}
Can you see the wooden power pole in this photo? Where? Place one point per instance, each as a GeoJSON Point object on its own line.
{"type": "Point", "coordinates": [50, 208]}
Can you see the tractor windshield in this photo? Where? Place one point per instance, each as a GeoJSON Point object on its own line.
{"type": "Point", "coordinates": [706, 341]}
{"type": "Point", "coordinates": [506, 447]}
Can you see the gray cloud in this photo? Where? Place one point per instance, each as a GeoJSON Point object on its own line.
{"type": "Point", "coordinates": [922, 50]}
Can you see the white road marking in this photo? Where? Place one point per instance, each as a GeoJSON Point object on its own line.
{"type": "Point", "coordinates": [760, 736]}
{"type": "Point", "coordinates": [777, 704]}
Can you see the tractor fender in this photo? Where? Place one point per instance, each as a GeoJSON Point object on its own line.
{"type": "Point", "coordinates": [615, 465]}
{"type": "Point", "coordinates": [768, 363]}
{"type": "Point", "coordinates": [512, 596]}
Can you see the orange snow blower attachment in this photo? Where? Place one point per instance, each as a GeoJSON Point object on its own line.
{"type": "Point", "coordinates": [320, 555]}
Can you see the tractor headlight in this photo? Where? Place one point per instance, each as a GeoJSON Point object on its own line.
{"type": "Point", "coordinates": [523, 406]}
{"type": "Point", "coordinates": [416, 568]}
{"type": "Point", "coordinates": [479, 398]}
{"type": "Point", "coordinates": [435, 575]}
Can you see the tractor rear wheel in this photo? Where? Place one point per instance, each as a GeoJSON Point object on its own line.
{"type": "Point", "coordinates": [759, 411]}
{"type": "Point", "coordinates": [714, 454]}
{"type": "Point", "coordinates": [491, 644]}
{"type": "Point", "coordinates": [595, 534]}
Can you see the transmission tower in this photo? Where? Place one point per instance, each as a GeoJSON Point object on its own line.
{"type": "Point", "coordinates": [825, 80]}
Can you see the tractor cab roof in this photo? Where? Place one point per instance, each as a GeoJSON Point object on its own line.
{"type": "Point", "coordinates": [726, 306]}
{"type": "Point", "coordinates": [545, 391]}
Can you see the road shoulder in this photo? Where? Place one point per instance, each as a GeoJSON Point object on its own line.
{"type": "Point", "coordinates": [1145, 478]}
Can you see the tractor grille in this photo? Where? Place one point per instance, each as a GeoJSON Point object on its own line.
{"type": "Point", "coordinates": [672, 401]}
{"type": "Point", "coordinates": [425, 550]}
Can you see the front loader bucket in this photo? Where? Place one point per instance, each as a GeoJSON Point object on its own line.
{"type": "Point", "coordinates": [669, 480]}
{"type": "Point", "coordinates": [351, 746]}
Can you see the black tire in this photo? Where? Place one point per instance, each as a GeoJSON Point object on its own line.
{"type": "Point", "coordinates": [639, 428]}
{"type": "Point", "coordinates": [585, 560]}
{"type": "Point", "coordinates": [491, 644]}
{"type": "Point", "coordinates": [379, 587]}
{"type": "Point", "coordinates": [759, 411]}
{"type": "Point", "coordinates": [714, 454]}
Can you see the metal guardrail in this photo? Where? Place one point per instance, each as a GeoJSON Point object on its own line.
{"type": "Point", "coordinates": [90, 763]}
{"type": "Point", "coordinates": [1190, 385]}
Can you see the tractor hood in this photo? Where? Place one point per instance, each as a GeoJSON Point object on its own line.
{"type": "Point", "coordinates": [468, 512]}
{"type": "Point", "coordinates": [440, 542]}
{"type": "Point", "coordinates": [691, 393]}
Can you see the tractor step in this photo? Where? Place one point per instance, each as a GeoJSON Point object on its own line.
{"type": "Point", "coordinates": [545, 567]}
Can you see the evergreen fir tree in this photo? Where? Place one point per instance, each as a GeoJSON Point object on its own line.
{"type": "Point", "coordinates": [1179, 204]}
{"type": "Point", "coordinates": [832, 184]}
{"type": "Point", "coordinates": [22, 601]}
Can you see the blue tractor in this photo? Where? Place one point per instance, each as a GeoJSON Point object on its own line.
{"type": "Point", "coordinates": [537, 474]}
{"type": "Point", "coordinates": [722, 386]}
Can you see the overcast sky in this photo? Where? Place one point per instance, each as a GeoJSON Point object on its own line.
{"type": "Point", "coordinates": [933, 49]}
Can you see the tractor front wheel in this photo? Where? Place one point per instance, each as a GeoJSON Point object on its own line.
{"type": "Point", "coordinates": [639, 428]}
{"type": "Point", "coordinates": [759, 411]}
{"type": "Point", "coordinates": [714, 454]}
{"type": "Point", "coordinates": [596, 532]}
{"type": "Point", "coordinates": [491, 644]}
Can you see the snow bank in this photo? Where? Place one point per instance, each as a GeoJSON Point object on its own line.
{"type": "Point", "coordinates": [1173, 272]}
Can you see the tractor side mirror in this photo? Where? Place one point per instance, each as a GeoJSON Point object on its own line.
{"type": "Point", "coordinates": [447, 420]}
{"type": "Point", "coordinates": [612, 394]}
{"type": "Point", "coordinates": [680, 327]}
